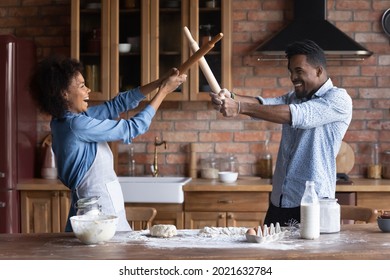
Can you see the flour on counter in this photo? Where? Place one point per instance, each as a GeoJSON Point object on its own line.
{"type": "Point", "coordinates": [218, 231]}
{"type": "Point", "coordinates": [208, 237]}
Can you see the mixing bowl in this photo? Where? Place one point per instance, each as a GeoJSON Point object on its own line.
{"type": "Point", "coordinates": [227, 176]}
{"type": "Point", "coordinates": [384, 224]}
{"type": "Point", "coordinates": [93, 229]}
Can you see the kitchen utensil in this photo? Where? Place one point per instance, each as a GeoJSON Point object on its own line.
{"type": "Point", "coordinates": [200, 53]}
{"type": "Point", "coordinates": [211, 4]}
{"type": "Point", "coordinates": [383, 224]}
{"type": "Point", "coordinates": [88, 206]}
{"type": "Point", "coordinates": [134, 41]}
{"type": "Point", "coordinates": [92, 73]}
{"type": "Point", "coordinates": [49, 168]}
{"type": "Point", "coordinates": [124, 47]}
{"type": "Point", "coordinates": [266, 234]}
{"type": "Point", "coordinates": [386, 22]}
{"type": "Point", "coordinates": [228, 177]}
{"type": "Point", "coordinates": [345, 159]}
{"type": "Point", "coordinates": [94, 229]}
{"type": "Point", "coordinates": [329, 215]}
{"type": "Point", "coordinates": [203, 63]}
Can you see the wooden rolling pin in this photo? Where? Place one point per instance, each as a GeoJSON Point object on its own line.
{"type": "Point", "coordinates": [203, 63]}
{"type": "Point", "coordinates": [200, 53]}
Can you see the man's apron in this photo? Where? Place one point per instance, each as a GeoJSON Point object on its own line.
{"type": "Point", "coordinates": [101, 180]}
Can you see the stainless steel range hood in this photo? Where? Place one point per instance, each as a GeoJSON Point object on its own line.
{"type": "Point", "coordinates": [310, 23]}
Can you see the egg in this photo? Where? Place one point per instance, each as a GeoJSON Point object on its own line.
{"type": "Point", "coordinates": [251, 231]}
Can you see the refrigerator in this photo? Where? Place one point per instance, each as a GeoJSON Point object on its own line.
{"type": "Point", "coordinates": [18, 126]}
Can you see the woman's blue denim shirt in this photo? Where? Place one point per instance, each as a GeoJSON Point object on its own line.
{"type": "Point", "coordinates": [75, 136]}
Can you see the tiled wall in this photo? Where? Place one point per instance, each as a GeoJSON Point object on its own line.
{"type": "Point", "coordinates": [180, 123]}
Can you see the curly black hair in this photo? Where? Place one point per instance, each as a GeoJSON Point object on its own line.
{"type": "Point", "coordinates": [314, 54]}
{"type": "Point", "coordinates": [50, 80]}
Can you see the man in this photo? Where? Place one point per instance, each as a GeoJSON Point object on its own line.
{"type": "Point", "coordinates": [315, 116]}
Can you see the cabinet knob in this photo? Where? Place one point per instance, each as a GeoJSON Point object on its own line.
{"type": "Point", "coordinates": [55, 194]}
{"type": "Point", "coordinates": [221, 216]}
{"type": "Point", "coordinates": [230, 216]}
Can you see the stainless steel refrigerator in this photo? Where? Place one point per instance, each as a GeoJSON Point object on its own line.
{"type": "Point", "coordinates": [18, 128]}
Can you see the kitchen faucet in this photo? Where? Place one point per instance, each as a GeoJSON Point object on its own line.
{"type": "Point", "coordinates": [154, 166]}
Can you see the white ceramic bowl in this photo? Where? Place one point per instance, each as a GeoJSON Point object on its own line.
{"type": "Point", "coordinates": [227, 176]}
{"type": "Point", "coordinates": [124, 47]}
{"type": "Point", "coordinates": [93, 229]}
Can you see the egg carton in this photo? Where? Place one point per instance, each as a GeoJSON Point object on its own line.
{"type": "Point", "coordinates": [267, 234]}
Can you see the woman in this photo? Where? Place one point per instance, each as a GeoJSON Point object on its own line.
{"type": "Point", "coordinates": [80, 134]}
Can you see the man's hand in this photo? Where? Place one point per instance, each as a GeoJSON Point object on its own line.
{"type": "Point", "coordinates": [218, 98]}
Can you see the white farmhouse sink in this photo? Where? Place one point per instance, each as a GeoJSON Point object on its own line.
{"type": "Point", "coordinates": [153, 189]}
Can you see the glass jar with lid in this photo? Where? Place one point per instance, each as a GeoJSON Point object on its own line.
{"type": "Point", "coordinates": [210, 168]}
{"type": "Point", "coordinates": [229, 163]}
{"type": "Point", "coordinates": [386, 165]}
{"type": "Point", "coordinates": [88, 206]}
{"type": "Point", "coordinates": [329, 215]}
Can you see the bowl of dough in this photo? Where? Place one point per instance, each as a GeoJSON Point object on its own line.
{"type": "Point", "coordinates": [94, 229]}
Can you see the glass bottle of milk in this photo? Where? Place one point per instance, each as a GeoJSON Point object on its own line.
{"type": "Point", "coordinates": [310, 213]}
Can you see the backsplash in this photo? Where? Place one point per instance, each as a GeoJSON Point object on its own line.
{"type": "Point", "coordinates": [181, 123]}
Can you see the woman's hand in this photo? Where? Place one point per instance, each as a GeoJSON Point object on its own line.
{"type": "Point", "coordinates": [171, 81]}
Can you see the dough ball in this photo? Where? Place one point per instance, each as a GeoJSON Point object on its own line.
{"type": "Point", "coordinates": [163, 231]}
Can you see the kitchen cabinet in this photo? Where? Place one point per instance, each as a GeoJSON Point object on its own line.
{"type": "Point", "coordinates": [224, 208]}
{"type": "Point", "coordinates": [97, 28]}
{"type": "Point", "coordinates": [167, 213]}
{"type": "Point", "coordinates": [44, 211]}
{"type": "Point", "coordinates": [373, 200]}
{"type": "Point", "coordinates": [155, 30]}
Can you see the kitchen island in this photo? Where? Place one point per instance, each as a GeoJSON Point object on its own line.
{"type": "Point", "coordinates": [353, 242]}
{"type": "Point", "coordinates": [45, 203]}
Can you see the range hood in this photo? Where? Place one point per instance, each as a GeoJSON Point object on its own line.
{"type": "Point", "coordinates": [310, 23]}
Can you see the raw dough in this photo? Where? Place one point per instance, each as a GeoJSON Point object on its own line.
{"type": "Point", "coordinates": [163, 231]}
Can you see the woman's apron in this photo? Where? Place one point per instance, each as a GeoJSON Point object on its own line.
{"type": "Point", "coordinates": [101, 180]}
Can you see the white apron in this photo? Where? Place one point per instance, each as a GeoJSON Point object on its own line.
{"type": "Point", "coordinates": [101, 180]}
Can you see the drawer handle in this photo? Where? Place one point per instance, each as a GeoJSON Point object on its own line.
{"type": "Point", "coordinates": [225, 201]}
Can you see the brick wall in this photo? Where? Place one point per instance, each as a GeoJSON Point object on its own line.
{"type": "Point", "coordinates": [180, 123]}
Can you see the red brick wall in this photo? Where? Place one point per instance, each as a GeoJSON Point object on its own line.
{"type": "Point", "coordinates": [47, 22]}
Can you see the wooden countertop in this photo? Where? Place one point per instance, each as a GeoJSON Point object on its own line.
{"type": "Point", "coordinates": [258, 184]}
{"type": "Point", "coordinates": [362, 241]}
{"type": "Point", "coordinates": [242, 184]}
{"type": "Point", "coordinates": [39, 184]}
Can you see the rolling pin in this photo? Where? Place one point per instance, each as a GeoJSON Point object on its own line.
{"type": "Point", "coordinates": [203, 63]}
{"type": "Point", "coordinates": [200, 53]}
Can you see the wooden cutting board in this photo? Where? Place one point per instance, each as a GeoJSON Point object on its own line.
{"type": "Point", "coordinates": [345, 159]}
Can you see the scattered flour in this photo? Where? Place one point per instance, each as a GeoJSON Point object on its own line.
{"type": "Point", "coordinates": [208, 237]}
{"type": "Point", "coordinates": [218, 231]}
